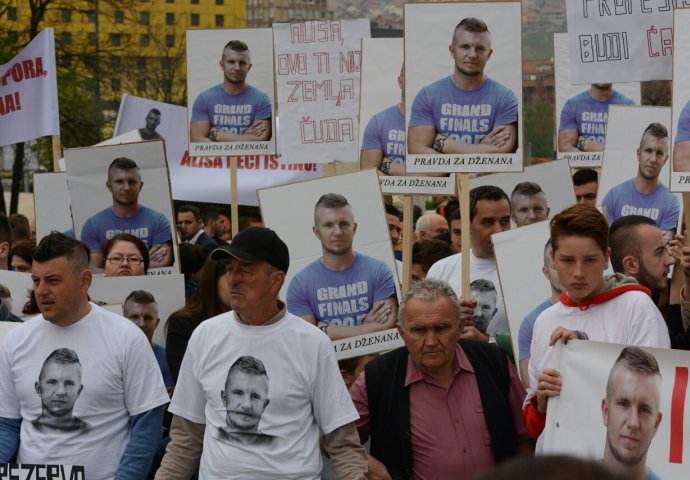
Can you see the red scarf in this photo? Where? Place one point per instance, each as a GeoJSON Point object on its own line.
{"type": "Point", "coordinates": [605, 296]}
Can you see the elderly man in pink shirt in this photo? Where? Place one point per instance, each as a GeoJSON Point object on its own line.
{"type": "Point", "coordinates": [436, 391]}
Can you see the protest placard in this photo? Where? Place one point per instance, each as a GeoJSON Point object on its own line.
{"type": "Point", "coordinates": [230, 92]}
{"type": "Point", "coordinates": [630, 165]}
{"type": "Point", "coordinates": [588, 419]}
{"type": "Point", "coordinates": [382, 127]}
{"type": "Point", "coordinates": [465, 133]}
{"type": "Point", "coordinates": [680, 178]}
{"type": "Point", "coordinates": [621, 41]}
{"type": "Point", "coordinates": [579, 114]}
{"type": "Point", "coordinates": [317, 74]}
{"type": "Point", "coordinates": [136, 198]}
{"type": "Point", "coordinates": [28, 92]}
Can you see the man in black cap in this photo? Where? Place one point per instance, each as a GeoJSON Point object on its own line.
{"type": "Point", "coordinates": [300, 370]}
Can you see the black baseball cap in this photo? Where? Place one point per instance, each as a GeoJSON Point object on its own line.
{"type": "Point", "coordinates": [256, 244]}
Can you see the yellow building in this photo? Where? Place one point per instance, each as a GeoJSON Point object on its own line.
{"type": "Point", "coordinates": [132, 46]}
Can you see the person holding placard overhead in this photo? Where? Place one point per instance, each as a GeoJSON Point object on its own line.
{"type": "Point", "coordinates": [583, 118]}
{"type": "Point", "coordinates": [232, 111]}
{"type": "Point", "coordinates": [466, 112]}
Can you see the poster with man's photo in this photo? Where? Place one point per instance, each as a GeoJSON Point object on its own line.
{"type": "Point", "coordinates": [123, 189]}
{"type": "Point", "coordinates": [623, 406]}
{"type": "Point", "coordinates": [230, 101]}
{"type": "Point", "coordinates": [680, 179]}
{"type": "Point", "coordinates": [582, 110]}
{"type": "Point", "coordinates": [635, 173]}
{"type": "Point", "coordinates": [463, 87]}
{"type": "Point", "coordinates": [342, 270]}
{"type": "Point", "coordinates": [382, 121]}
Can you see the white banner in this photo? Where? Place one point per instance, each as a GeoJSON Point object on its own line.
{"type": "Point", "coordinates": [622, 41]}
{"type": "Point", "coordinates": [647, 419]}
{"type": "Point", "coordinates": [317, 73]}
{"type": "Point", "coordinates": [187, 173]}
{"type": "Point", "coordinates": [28, 92]}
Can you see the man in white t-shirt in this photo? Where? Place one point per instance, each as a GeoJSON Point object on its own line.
{"type": "Point", "coordinates": [489, 214]}
{"type": "Point", "coordinates": [225, 423]}
{"type": "Point", "coordinates": [98, 401]}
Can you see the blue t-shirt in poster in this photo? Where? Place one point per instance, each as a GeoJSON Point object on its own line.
{"type": "Point", "coordinates": [527, 327]}
{"type": "Point", "coordinates": [661, 205]}
{"type": "Point", "coordinates": [342, 297]}
{"type": "Point", "coordinates": [466, 116]}
{"type": "Point", "coordinates": [588, 116]}
{"type": "Point", "coordinates": [386, 132]}
{"type": "Point", "coordinates": [147, 224]}
{"type": "Point", "coordinates": [683, 130]}
{"type": "Point", "coordinates": [231, 113]}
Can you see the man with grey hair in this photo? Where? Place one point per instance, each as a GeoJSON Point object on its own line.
{"type": "Point", "coordinates": [431, 387]}
{"type": "Point", "coordinates": [344, 293]}
{"type": "Point", "coordinates": [429, 225]}
{"type": "Point", "coordinates": [631, 413]}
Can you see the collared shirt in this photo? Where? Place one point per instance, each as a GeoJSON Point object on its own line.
{"type": "Point", "coordinates": [195, 237]}
{"type": "Point", "coordinates": [449, 436]}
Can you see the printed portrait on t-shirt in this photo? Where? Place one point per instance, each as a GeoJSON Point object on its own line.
{"type": "Point", "coordinates": [483, 292]}
{"type": "Point", "coordinates": [59, 386]}
{"type": "Point", "coordinates": [245, 398]}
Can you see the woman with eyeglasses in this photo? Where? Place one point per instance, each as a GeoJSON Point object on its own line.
{"type": "Point", "coordinates": [125, 255]}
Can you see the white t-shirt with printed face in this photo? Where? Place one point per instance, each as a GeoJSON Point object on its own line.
{"type": "Point", "coordinates": [305, 392]}
{"type": "Point", "coordinates": [449, 270]}
{"type": "Point", "coordinates": [91, 401]}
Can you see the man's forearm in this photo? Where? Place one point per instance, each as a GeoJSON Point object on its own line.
{"type": "Point", "coordinates": [143, 443]}
{"type": "Point", "coordinates": [184, 450]}
{"type": "Point", "coordinates": [347, 455]}
{"type": "Point", "coordinates": [9, 438]}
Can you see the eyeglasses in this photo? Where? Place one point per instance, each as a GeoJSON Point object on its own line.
{"type": "Point", "coordinates": [132, 259]}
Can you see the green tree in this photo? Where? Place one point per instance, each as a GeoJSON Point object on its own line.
{"type": "Point", "coordinates": [539, 128]}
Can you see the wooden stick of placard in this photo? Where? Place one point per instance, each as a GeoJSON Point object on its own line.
{"type": "Point", "coordinates": [234, 209]}
{"type": "Point", "coordinates": [408, 220]}
{"type": "Point", "coordinates": [463, 187]}
{"type": "Point", "coordinates": [57, 152]}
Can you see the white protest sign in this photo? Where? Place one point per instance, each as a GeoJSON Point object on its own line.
{"type": "Point", "coordinates": [575, 421]}
{"type": "Point", "coordinates": [317, 73]}
{"type": "Point", "coordinates": [367, 344]}
{"type": "Point", "coordinates": [382, 127]}
{"type": "Point", "coordinates": [20, 285]}
{"type": "Point", "coordinates": [450, 129]}
{"type": "Point", "coordinates": [51, 204]}
{"type": "Point", "coordinates": [28, 92]}
{"type": "Point", "coordinates": [553, 178]}
{"type": "Point", "coordinates": [168, 290]}
{"type": "Point", "coordinates": [566, 91]}
{"type": "Point", "coordinates": [225, 117]}
{"type": "Point", "coordinates": [624, 140]}
{"type": "Point", "coordinates": [187, 173]}
{"type": "Point", "coordinates": [620, 41]}
{"type": "Point", "coordinates": [680, 179]}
